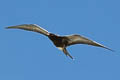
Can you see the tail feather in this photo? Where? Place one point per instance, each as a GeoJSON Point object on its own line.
{"type": "Point", "coordinates": [66, 53]}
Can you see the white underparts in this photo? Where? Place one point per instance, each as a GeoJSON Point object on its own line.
{"type": "Point", "coordinates": [60, 48]}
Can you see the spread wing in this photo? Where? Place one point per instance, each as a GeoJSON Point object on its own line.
{"type": "Point", "coordinates": [30, 27]}
{"type": "Point", "coordinates": [77, 39]}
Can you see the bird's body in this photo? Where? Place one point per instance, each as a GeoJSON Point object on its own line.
{"type": "Point", "coordinates": [57, 40]}
{"type": "Point", "coordinates": [60, 42]}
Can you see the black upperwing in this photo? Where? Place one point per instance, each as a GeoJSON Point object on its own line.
{"type": "Point", "coordinates": [77, 39]}
{"type": "Point", "coordinates": [30, 27]}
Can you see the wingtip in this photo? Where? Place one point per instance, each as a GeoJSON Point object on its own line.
{"type": "Point", "coordinates": [6, 27]}
{"type": "Point", "coordinates": [110, 49]}
{"type": "Point", "coordinates": [100, 45]}
{"type": "Point", "coordinates": [9, 27]}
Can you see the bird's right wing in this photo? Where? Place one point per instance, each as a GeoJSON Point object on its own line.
{"type": "Point", "coordinates": [30, 27]}
{"type": "Point", "coordinates": [77, 39]}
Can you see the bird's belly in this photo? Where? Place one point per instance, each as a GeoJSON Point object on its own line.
{"type": "Point", "coordinates": [60, 48]}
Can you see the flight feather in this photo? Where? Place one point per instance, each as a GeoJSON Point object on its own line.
{"type": "Point", "coordinates": [78, 39]}
{"type": "Point", "coordinates": [30, 27]}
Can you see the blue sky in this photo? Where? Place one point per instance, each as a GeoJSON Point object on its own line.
{"type": "Point", "coordinates": [31, 56]}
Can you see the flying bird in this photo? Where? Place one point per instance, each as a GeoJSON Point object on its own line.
{"type": "Point", "coordinates": [61, 42]}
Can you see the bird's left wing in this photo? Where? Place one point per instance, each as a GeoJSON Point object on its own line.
{"type": "Point", "coordinates": [77, 39]}
{"type": "Point", "coordinates": [30, 27]}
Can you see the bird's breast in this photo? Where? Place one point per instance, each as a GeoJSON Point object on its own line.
{"type": "Point", "coordinates": [58, 41]}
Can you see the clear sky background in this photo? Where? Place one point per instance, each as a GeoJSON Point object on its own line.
{"type": "Point", "coordinates": [31, 56]}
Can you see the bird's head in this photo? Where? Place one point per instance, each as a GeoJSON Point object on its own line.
{"type": "Point", "coordinates": [52, 35]}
